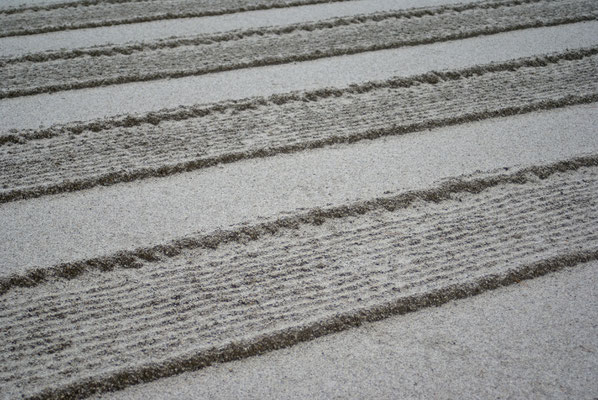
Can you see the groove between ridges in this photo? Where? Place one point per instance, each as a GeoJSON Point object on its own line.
{"type": "Point", "coordinates": [405, 258]}
{"type": "Point", "coordinates": [128, 49]}
{"type": "Point", "coordinates": [51, 72]}
{"type": "Point", "coordinates": [65, 162]}
{"type": "Point", "coordinates": [66, 4]}
{"type": "Point", "coordinates": [137, 12]}
{"type": "Point", "coordinates": [136, 258]}
{"type": "Point", "coordinates": [188, 112]}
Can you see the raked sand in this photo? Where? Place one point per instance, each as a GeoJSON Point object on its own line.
{"type": "Point", "coordinates": [536, 339]}
{"type": "Point", "coordinates": [350, 199]}
{"type": "Point", "coordinates": [163, 29]}
{"type": "Point", "coordinates": [31, 112]}
{"type": "Point", "coordinates": [152, 211]}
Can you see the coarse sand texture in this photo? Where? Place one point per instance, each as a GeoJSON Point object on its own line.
{"type": "Point", "coordinates": [298, 198]}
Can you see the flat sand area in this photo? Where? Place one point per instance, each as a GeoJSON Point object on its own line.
{"type": "Point", "coordinates": [298, 198]}
{"type": "Point", "coordinates": [152, 211]}
{"type": "Point", "coordinates": [31, 112]}
{"type": "Point", "coordinates": [534, 339]}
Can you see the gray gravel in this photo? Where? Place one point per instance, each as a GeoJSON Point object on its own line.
{"type": "Point", "coordinates": [121, 34]}
{"type": "Point", "coordinates": [80, 156]}
{"type": "Point", "coordinates": [175, 311]}
{"type": "Point", "coordinates": [176, 58]}
{"type": "Point", "coordinates": [53, 229]}
{"type": "Point", "coordinates": [75, 105]}
{"type": "Point", "coordinates": [534, 340]}
{"type": "Point", "coordinates": [108, 287]}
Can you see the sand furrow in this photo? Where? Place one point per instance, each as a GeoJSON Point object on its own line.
{"type": "Point", "coordinates": [171, 33]}
{"type": "Point", "coordinates": [49, 72]}
{"type": "Point", "coordinates": [48, 109]}
{"type": "Point", "coordinates": [79, 156]}
{"type": "Point", "coordinates": [449, 351]}
{"type": "Point", "coordinates": [45, 5]}
{"type": "Point", "coordinates": [138, 299]}
{"type": "Point", "coordinates": [240, 293]}
{"type": "Point", "coordinates": [190, 182]}
{"type": "Point", "coordinates": [16, 46]}
{"type": "Point", "coordinates": [65, 16]}
{"type": "Point", "coordinates": [243, 234]}
{"type": "Point", "coordinates": [153, 211]}
{"type": "Point", "coordinates": [273, 25]}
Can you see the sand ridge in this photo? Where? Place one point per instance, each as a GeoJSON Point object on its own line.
{"type": "Point", "coordinates": [50, 72]}
{"type": "Point", "coordinates": [155, 210]}
{"type": "Point", "coordinates": [119, 35]}
{"type": "Point", "coordinates": [48, 109]}
{"type": "Point", "coordinates": [81, 156]}
{"type": "Point", "coordinates": [296, 280]}
{"type": "Point", "coordinates": [91, 13]}
{"type": "Point", "coordinates": [186, 199]}
{"type": "Point", "coordinates": [457, 350]}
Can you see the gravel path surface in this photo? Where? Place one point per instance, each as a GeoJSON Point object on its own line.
{"type": "Point", "coordinates": [50, 72]}
{"type": "Point", "coordinates": [201, 196]}
{"type": "Point", "coordinates": [10, 4]}
{"type": "Point", "coordinates": [46, 110]}
{"type": "Point", "coordinates": [153, 211]}
{"type": "Point", "coordinates": [94, 13]}
{"type": "Point", "coordinates": [80, 156]}
{"type": "Point", "coordinates": [164, 29]}
{"type": "Point", "coordinates": [263, 289]}
{"type": "Point", "coordinates": [536, 339]}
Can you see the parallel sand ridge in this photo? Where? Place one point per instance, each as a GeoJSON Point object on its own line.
{"type": "Point", "coordinates": [49, 72]}
{"type": "Point", "coordinates": [449, 352]}
{"type": "Point", "coordinates": [154, 211]}
{"type": "Point", "coordinates": [164, 29]}
{"type": "Point", "coordinates": [79, 156]}
{"type": "Point", "coordinates": [117, 316]}
{"type": "Point", "coordinates": [89, 14]}
{"type": "Point", "coordinates": [245, 292]}
{"type": "Point", "coordinates": [45, 110]}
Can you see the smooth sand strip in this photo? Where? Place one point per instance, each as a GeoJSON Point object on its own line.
{"type": "Point", "coordinates": [155, 30]}
{"type": "Point", "coordinates": [50, 230]}
{"type": "Point", "coordinates": [178, 313]}
{"type": "Point", "coordinates": [9, 4]}
{"type": "Point", "coordinates": [85, 104]}
{"type": "Point", "coordinates": [25, 21]}
{"type": "Point", "coordinates": [178, 58]}
{"type": "Point", "coordinates": [81, 156]}
{"type": "Point", "coordinates": [537, 339]}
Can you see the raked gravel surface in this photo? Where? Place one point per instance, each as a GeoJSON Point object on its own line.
{"type": "Point", "coordinates": [204, 54]}
{"type": "Point", "coordinates": [154, 210]}
{"type": "Point", "coordinates": [265, 287]}
{"type": "Point", "coordinates": [190, 183]}
{"type": "Point", "coordinates": [165, 28]}
{"type": "Point", "coordinates": [536, 339]}
{"type": "Point", "coordinates": [48, 109]}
